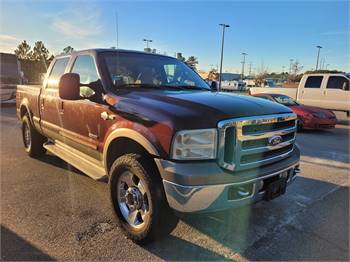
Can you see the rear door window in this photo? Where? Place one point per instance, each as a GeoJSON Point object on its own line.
{"type": "Point", "coordinates": [57, 71]}
{"type": "Point", "coordinates": [338, 82]}
{"type": "Point", "coordinates": [313, 82]}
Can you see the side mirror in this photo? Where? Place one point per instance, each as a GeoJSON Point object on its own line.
{"type": "Point", "coordinates": [69, 86]}
{"type": "Point", "coordinates": [214, 86]}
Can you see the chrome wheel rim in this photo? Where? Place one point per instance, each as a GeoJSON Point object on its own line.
{"type": "Point", "coordinates": [26, 135]}
{"type": "Point", "coordinates": [133, 200]}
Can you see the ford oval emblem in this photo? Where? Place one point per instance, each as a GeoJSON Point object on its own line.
{"type": "Point", "coordinates": [275, 140]}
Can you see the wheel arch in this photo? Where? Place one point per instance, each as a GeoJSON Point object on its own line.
{"type": "Point", "coordinates": [24, 109]}
{"type": "Point", "coordinates": [123, 141]}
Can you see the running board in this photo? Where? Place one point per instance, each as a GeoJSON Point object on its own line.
{"type": "Point", "coordinates": [90, 166]}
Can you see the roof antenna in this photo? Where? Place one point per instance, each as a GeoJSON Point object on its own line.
{"type": "Point", "coordinates": [116, 28]}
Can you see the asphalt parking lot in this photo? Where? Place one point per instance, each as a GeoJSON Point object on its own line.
{"type": "Point", "coordinates": [51, 211]}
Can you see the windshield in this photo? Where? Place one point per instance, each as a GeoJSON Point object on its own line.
{"type": "Point", "coordinates": [147, 70]}
{"type": "Point", "coordinates": [285, 100]}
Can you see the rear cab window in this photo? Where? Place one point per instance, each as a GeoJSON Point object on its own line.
{"type": "Point", "coordinates": [313, 82]}
{"type": "Point", "coordinates": [338, 82]}
{"type": "Point", "coordinates": [57, 71]}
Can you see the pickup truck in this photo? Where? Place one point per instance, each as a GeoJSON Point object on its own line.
{"type": "Point", "coordinates": [168, 143]}
{"type": "Point", "coordinates": [329, 91]}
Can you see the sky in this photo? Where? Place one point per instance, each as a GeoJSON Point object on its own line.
{"type": "Point", "coordinates": [270, 32]}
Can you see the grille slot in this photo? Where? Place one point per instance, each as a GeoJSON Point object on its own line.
{"type": "Point", "coordinates": [248, 144]}
{"type": "Point", "coordinates": [267, 154]}
{"type": "Point", "coordinates": [244, 142]}
{"type": "Point", "coordinates": [263, 128]}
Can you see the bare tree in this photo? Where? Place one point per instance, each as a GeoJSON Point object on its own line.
{"type": "Point", "coordinates": [295, 75]}
{"type": "Point", "coordinates": [261, 74]}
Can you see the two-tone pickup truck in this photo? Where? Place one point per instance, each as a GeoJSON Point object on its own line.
{"type": "Point", "coordinates": [165, 139]}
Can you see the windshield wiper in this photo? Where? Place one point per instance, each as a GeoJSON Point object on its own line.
{"type": "Point", "coordinates": [150, 86]}
{"type": "Point", "coordinates": [183, 87]}
{"type": "Point", "coordinates": [193, 87]}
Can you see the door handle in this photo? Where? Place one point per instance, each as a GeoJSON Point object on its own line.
{"type": "Point", "coordinates": [324, 92]}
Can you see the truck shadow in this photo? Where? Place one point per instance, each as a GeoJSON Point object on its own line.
{"type": "Point", "coordinates": [15, 248]}
{"type": "Point", "coordinates": [243, 229]}
{"type": "Point", "coordinates": [173, 248]}
{"type": "Point", "coordinates": [58, 162]}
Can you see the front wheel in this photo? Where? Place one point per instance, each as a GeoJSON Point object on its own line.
{"type": "Point", "coordinates": [138, 199]}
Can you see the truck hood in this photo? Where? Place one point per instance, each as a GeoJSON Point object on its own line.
{"type": "Point", "coordinates": [302, 109]}
{"type": "Point", "coordinates": [193, 109]}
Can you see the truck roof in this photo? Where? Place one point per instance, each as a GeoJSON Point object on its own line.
{"type": "Point", "coordinates": [103, 50]}
{"type": "Point", "coordinates": [324, 74]}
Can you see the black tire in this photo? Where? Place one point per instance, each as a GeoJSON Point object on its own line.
{"type": "Point", "coordinates": [33, 141]}
{"type": "Point", "coordinates": [299, 126]}
{"type": "Point", "coordinates": [161, 219]}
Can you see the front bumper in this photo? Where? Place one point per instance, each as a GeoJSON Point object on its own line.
{"type": "Point", "coordinates": [320, 123]}
{"type": "Point", "coordinates": [205, 187]}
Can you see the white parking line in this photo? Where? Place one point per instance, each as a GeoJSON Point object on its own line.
{"type": "Point", "coordinates": [333, 159]}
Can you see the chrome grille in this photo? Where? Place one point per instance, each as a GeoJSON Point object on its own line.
{"type": "Point", "coordinates": [244, 142]}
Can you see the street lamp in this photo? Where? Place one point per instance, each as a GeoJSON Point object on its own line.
{"type": "Point", "coordinates": [243, 63]}
{"type": "Point", "coordinates": [318, 55]}
{"type": "Point", "coordinates": [147, 42]}
{"type": "Point", "coordinates": [222, 51]}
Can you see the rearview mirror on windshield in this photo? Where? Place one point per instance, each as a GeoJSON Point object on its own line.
{"type": "Point", "coordinates": [214, 86]}
{"type": "Point", "coordinates": [345, 86]}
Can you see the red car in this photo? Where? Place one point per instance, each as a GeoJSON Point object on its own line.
{"type": "Point", "coordinates": [309, 117]}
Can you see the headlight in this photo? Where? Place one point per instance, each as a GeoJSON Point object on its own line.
{"type": "Point", "coordinates": [194, 144]}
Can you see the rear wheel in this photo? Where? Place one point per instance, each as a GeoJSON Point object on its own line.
{"type": "Point", "coordinates": [138, 199]}
{"type": "Point", "coordinates": [32, 140]}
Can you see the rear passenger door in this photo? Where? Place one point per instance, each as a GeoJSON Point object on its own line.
{"type": "Point", "coordinates": [51, 120]}
{"type": "Point", "coordinates": [335, 97]}
{"type": "Point", "coordinates": [312, 94]}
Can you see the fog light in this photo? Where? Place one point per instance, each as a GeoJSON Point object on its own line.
{"type": "Point", "coordinates": [240, 192]}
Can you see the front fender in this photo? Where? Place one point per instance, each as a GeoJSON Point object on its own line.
{"type": "Point", "coordinates": [131, 134]}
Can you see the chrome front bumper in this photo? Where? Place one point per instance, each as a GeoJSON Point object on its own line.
{"type": "Point", "coordinates": [208, 198]}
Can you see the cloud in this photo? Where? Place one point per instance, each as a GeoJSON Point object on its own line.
{"type": "Point", "coordinates": [78, 23]}
{"type": "Point", "coordinates": [8, 43]}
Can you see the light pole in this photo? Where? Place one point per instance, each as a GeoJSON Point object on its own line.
{"type": "Point", "coordinates": [318, 55]}
{"type": "Point", "coordinates": [222, 51]}
{"type": "Point", "coordinates": [250, 68]}
{"type": "Point", "coordinates": [290, 65]}
{"type": "Point", "coordinates": [243, 62]}
{"type": "Point", "coordinates": [327, 66]}
{"type": "Point", "coordinates": [147, 42]}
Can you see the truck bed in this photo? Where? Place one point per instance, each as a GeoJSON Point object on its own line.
{"type": "Point", "coordinates": [28, 94]}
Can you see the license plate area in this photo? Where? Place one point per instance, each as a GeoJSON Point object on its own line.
{"type": "Point", "coordinates": [275, 186]}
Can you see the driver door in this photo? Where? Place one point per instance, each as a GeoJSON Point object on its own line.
{"type": "Point", "coordinates": [83, 126]}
